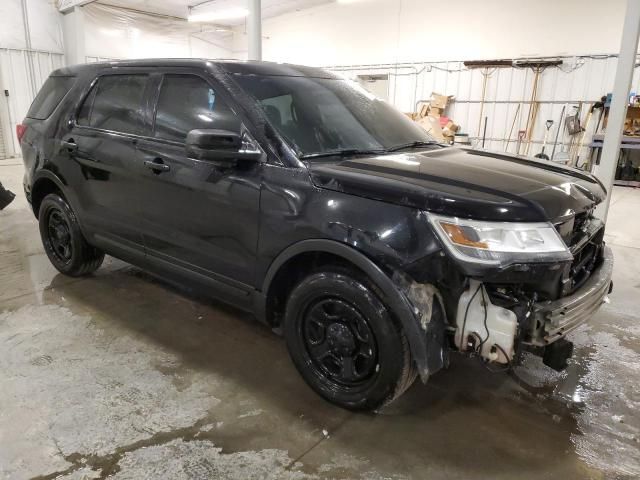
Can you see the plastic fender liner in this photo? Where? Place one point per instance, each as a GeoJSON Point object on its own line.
{"type": "Point", "coordinates": [428, 307]}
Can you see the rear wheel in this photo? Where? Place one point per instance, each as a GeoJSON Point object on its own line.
{"type": "Point", "coordinates": [344, 342]}
{"type": "Point", "coordinates": [63, 241]}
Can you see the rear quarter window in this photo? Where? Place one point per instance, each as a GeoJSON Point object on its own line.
{"type": "Point", "coordinates": [115, 103]}
{"type": "Point", "coordinates": [50, 96]}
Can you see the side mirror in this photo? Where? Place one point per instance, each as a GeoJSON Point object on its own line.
{"type": "Point", "coordinates": [219, 146]}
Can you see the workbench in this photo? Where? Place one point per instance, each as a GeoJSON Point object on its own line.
{"type": "Point", "coordinates": [628, 144]}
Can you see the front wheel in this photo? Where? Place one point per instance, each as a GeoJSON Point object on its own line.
{"type": "Point", "coordinates": [63, 241]}
{"type": "Point", "coordinates": [344, 342]}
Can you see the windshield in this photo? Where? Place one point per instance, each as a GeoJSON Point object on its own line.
{"type": "Point", "coordinates": [319, 116]}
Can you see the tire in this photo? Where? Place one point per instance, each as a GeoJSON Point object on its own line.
{"type": "Point", "coordinates": [344, 342]}
{"type": "Point", "coordinates": [63, 241]}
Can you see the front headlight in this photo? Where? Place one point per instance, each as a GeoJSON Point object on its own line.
{"type": "Point", "coordinates": [500, 243]}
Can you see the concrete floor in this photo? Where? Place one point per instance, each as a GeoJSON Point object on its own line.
{"type": "Point", "coordinates": [119, 375]}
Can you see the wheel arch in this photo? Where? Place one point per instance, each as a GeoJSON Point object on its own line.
{"type": "Point", "coordinates": [45, 183]}
{"type": "Point", "coordinates": [396, 300]}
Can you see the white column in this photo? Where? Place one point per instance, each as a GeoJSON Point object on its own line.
{"type": "Point", "coordinates": [254, 33]}
{"type": "Point", "coordinates": [73, 35]}
{"type": "Point", "coordinates": [606, 171]}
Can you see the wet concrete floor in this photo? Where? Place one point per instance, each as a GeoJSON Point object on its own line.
{"type": "Point", "coordinates": [120, 375]}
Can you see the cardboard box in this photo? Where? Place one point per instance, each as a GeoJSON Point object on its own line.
{"type": "Point", "coordinates": [450, 129]}
{"type": "Point", "coordinates": [435, 111]}
{"type": "Point", "coordinates": [432, 126]}
{"type": "Point", "coordinates": [439, 101]}
{"type": "Point", "coordinates": [423, 111]}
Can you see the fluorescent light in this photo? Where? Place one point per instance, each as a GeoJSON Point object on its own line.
{"type": "Point", "coordinates": [228, 14]}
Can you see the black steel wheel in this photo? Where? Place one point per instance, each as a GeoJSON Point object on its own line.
{"type": "Point", "coordinates": [344, 343]}
{"type": "Point", "coordinates": [62, 238]}
{"type": "Point", "coordinates": [339, 341]}
{"type": "Point", "coordinates": [59, 236]}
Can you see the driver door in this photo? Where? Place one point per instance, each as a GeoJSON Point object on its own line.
{"type": "Point", "coordinates": [199, 217]}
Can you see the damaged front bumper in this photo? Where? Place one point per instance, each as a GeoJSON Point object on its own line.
{"type": "Point", "coordinates": [552, 320]}
{"type": "Point", "coordinates": [496, 333]}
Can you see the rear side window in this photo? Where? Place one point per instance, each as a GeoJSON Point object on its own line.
{"type": "Point", "coordinates": [49, 96]}
{"type": "Point", "coordinates": [115, 103]}
{"type": "Point", "coordinates": [187, 102]}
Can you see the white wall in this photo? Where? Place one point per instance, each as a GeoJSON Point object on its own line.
{"type": "Point", "coordinates": [356, 33]}
{"type": "Point", "coordinates": [385, 31]}
{"type": "Point", "coordinates": [24, 69]}
{"type": "Point", "coordinates": [433, 37]}
{"type": "Point", "coordinates": [104, 33]}
{"type": "Point", "coordinates": [45, 24]}
{"type": "Point", "coordinates": [117, 33]}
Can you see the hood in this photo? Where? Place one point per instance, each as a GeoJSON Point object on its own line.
{"type": "Point", "coordinates": [466, 183]}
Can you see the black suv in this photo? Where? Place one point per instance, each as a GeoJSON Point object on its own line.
{"type": "Point", "coordinates": [298, 196]}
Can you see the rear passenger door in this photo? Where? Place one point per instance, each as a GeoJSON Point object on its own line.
{"type": "Point", "coordinates": [198, 216]}
{"type": "Point", "coordinates": [103, 142]}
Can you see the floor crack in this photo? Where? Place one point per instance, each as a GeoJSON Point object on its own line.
{"type": "Point", "coordinates": [108, 464]}
{"type": "Point", "coordinates": [290, 465]}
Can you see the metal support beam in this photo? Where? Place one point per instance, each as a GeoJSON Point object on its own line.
{"type": "Point", "coordinates": [606, 171]}
{"type": "Point", "coordinates": [73, 36]}
{"type": "Point", "coordinates": [254, 32]}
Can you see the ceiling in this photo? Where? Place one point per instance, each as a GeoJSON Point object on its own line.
{"type": "Point", "coordinates": [180, 8]}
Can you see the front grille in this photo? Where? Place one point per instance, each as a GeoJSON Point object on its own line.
{"type": "Point", "coordinates": [580, 222]}
{"type": "Point", "coordinates": [574, 230]}
{"type": "Point", "coordinates": [586, 246]}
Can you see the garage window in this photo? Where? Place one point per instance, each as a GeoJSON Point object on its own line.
{"type": "Point", "coordinates": [115, 104]}
{"type": "Point", "coordinates": [50, 96]}
{"type": "Point", "coordinates": [188, 102]}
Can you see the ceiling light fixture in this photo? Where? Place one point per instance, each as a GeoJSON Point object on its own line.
{"type": "Point", "coordinates": [228, 14]}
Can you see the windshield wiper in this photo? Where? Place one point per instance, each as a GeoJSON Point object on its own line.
{"type": "Point", "coordinates": [343, 153]}
{"type": "Point", "coordinates": [412, 145]}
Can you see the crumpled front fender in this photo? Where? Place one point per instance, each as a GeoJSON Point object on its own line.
{"type": "Point", "coordinates": [418, 307]}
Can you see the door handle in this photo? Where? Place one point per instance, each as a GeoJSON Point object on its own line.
{"type": "Point", "coordinates": [157, 165]}
{"type": "Point", "coordinates": [70, 145]}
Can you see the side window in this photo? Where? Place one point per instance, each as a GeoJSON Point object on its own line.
{"type": "Point", "coordinates": [278, 110]}
{"type": "Point", "coordinates": [115, 103]}
{"type": "Point", "coordinates": [49, 96]}
{"type": "Point", "coordinates": [187, 102]}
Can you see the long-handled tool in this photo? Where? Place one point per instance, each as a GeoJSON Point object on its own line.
{"type": "Point", "coordinates": [484, 131]}
{"type": "Point", "coordinates": [560, 123]}
{"type": "Point", "coordinates": [576, 163]}
{"type": "Point", "coordinates": [515, 119]}
{"type": "Point", "coordinates": [570, 127]}
{"type": "Point", "coordinates": [533, 108]}
{"type": "Point", "coordinates": [542, 155]}
{"type": "Point", "coordinates": [603, 100]}
{"type": "Point", "coordinates": [486, 73]}
{"type": "Point", "coordinates": [521, 135]}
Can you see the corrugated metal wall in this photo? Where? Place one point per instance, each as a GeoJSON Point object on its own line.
{"type": "Point", "coordinates": [23, 73]}
{"type": "Point", "coordinates": [3, 151]}
{"type": "Point", "coordinates": [508, 91]}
